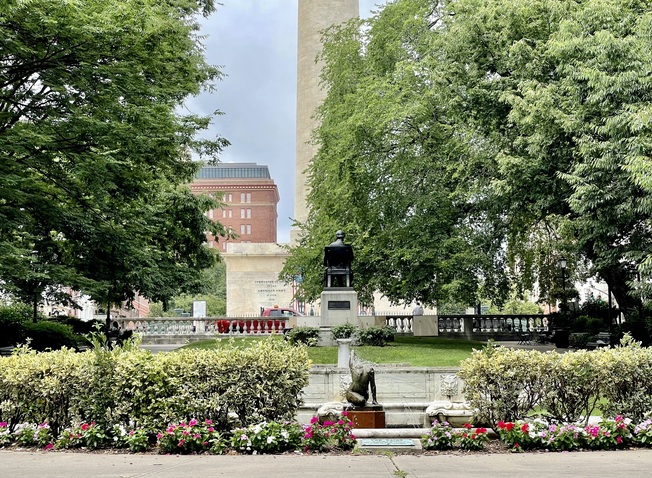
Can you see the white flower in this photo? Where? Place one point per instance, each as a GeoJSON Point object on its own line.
{"type": "Point", "coordinates": [270, 439]}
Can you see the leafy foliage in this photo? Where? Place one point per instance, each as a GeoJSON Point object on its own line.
{"type": "Point", "coordinates": [376, 336]}
{"type": "Point", "coordinates": [464, 151]}
{"type": "Point", "coordinates": [123, 386]}
{"type": "Point", "coordinates": [303, 335]}
{"type": "Point", "coordinates": [95, 148]}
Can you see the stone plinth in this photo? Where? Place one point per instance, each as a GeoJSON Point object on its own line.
{"type": "Point", "coordinates": [339, 305]}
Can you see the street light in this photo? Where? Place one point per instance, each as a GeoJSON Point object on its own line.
{"type": "Point", "coordinates": [562, 265]}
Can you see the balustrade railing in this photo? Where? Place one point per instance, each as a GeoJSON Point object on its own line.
{"type": "Point", "coordinates": [401, 323]}
{"type": "Point", "coordinates": [204, 326]}
{"type": "Point", "coordinates": [503, 323]}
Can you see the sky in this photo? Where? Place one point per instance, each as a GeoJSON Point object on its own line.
{"type": "Point", "coordinates": [255, 44]}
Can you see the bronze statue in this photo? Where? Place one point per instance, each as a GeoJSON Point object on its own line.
{"type": "Point", "coordinates": [337, 263]}
{"type": "Point", "coordinates": [362, 380]}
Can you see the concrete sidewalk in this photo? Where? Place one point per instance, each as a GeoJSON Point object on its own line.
{"type": "Point", "coordinates": [23, 464]}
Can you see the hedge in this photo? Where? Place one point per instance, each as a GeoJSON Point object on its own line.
{"type": "Point", "coordinates": [130, 386]}
{"type": "Point", "coordinates": [503, 384]}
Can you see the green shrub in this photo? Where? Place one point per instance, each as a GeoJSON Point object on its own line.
{"type": "Point", "coordinates": [344, 331]}
{"type": "Point", "coordinates": [378, 336]}
{"type": "Point", "coordinates": [50, 335]}
{"type": "Point", "coordinates": [12, 323]}
{"type": "Point", "coordinates": [628, 367]}
{"type": "Point", "coordinates": [504, 384]}
{"type": "Point", "coordinates": [304, 335]}
{"type": "Point", "coordinates": [578, 340]}
{"type": "Point", "coordinates": [78, 326]}
{"type": "Point", "coordinates": [573, 383]}
{"type": "Point", "coordinates": [122, 385]}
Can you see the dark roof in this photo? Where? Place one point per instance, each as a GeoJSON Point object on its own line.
{"type": "Point", "coordinates": [235, 171]}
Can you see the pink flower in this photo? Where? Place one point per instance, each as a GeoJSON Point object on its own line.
{"type": "Point", "coordinates": [49, 446]}
{"type": "Point", "coordinates": [208, 422]}
{"type": "Point", "coordinates": [328, 423]}
{"type": "Point", "coordinates": [159, 436]}
{"type": "Point", "coordinates": [314, 419]}
{"type": "Point", "coordinates": [192, 422]}
{"type": "Point", "coordinates": [211, 429]}
{"type": "Point", "coordinates": [196, 435]}
{"type": "Point", "coordinates": [345, 413]}
{"type": "Point", "coordinates": [85, 426]}
{"type": "Point", "coordinates": [619, 440]}
{"type": "Point", "coordinates": [181, 443]}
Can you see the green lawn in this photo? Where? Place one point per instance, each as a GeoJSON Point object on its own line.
{"type": "Point", "coordinates": [413, 351]}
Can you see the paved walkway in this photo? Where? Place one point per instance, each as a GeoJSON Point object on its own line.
{"type": "Point", "coordinates": [23, 464]}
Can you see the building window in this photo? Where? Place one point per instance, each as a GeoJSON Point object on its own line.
{"type": "Point", "coordinates": [248, 228]}
{"type": "Point", "coordinates": [242, 213]}
{"type": "Point", "coordinates": [248, 197]}
{"type": "Point", "coordinates": [223, 212]}
{"type": "Point", "coordinates": [248, 213]}
{"type": "Point", "coordinates": [210, 214]}
{"type": "Point", "coordinates": [242, 197]}
{"type": "Point", "coordinates": [230, 213]}
{"type": "Point", "coordinates": [230, 198]}
{"type": "Point", "coordinates": [242, 228]}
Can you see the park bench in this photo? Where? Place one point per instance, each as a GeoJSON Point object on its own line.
{"type": "Point", "coordinates": [603, 339]}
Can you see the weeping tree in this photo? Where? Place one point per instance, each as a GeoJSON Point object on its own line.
{"type": "Point", "coordinates": [466, 146]}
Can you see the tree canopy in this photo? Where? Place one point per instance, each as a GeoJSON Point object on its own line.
{"type": "Point", "coordinates": [95, 149]}
{"type": "Point", "coordinates": [465, 146]}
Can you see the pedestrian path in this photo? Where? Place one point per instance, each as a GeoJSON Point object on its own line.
{"type": "Point", "coordinates": [24, 464]}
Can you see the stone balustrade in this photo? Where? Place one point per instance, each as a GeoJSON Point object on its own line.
{"type": "Point", "coordinates": [480, 327]}
{"type": "Point", "coordinates": [210, 326]}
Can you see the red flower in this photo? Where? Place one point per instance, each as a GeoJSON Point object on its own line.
{"type": "Point", "coordinates": [481, 430]}
{"type": "Point", "coordinates": [501, 424]}
{"type": "Point", "coordinates": [525, 428]}
{"type": "Point", "coordinates": [509, 426]}
{"type": "Point", "coordinates": [85, 426]}
{"type": "Point", "coordinates": [468, 426]}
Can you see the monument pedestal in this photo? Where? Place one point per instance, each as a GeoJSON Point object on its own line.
{"type": "Point", "coordinates": [339, 305]}
{"type": "Point", "coordinates": [371, 416]}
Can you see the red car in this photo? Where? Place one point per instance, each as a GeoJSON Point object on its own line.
{"type": "Point", "coordinates": [278, 312]}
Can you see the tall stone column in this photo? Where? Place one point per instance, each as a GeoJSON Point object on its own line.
{"type": "Point", "coordinates": [314, 16]}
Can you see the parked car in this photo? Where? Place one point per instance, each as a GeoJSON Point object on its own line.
{"type": "Point", "coordinates": [279, 312]}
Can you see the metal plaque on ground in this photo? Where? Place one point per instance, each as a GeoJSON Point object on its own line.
{"type": "Point", "coordinates": [406, 442]}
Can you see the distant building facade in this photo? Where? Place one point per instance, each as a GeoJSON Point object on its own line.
{"type": "Point", "coordinates": [250, 199]}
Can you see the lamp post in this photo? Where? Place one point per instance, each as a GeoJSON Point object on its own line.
{"type": "Point", "coordinates": [562, 265]}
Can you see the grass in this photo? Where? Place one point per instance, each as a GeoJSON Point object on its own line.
{"type": "Point", "coordinates": [412, 351]}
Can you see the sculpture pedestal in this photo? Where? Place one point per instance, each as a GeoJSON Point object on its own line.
{"type": "Point", "coordinates": [339, 305]}
{"type": "Point", "coordinates": [372, 416]}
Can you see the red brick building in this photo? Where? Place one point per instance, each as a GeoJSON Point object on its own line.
{"type": "Point", "coordinates": [250, 198]}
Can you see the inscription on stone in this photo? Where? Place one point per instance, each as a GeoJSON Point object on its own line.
{"type": "Point", "coordinates": [339, 305]}
{"type": "Point", "coordinates": [386, 442]}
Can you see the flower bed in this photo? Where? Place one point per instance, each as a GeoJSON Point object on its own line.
{"type": "Point", "coordinates": [191, 437]}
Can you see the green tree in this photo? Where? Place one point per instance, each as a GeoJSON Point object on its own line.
{"type": "Point", "coordinates": [213, 291]}
{"type": "Point", "coordinates": [389, 170]}
{"type": "Point", "coordinates": [94, 145]}
{"type": "Point", "coordinates": [466, 146]}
